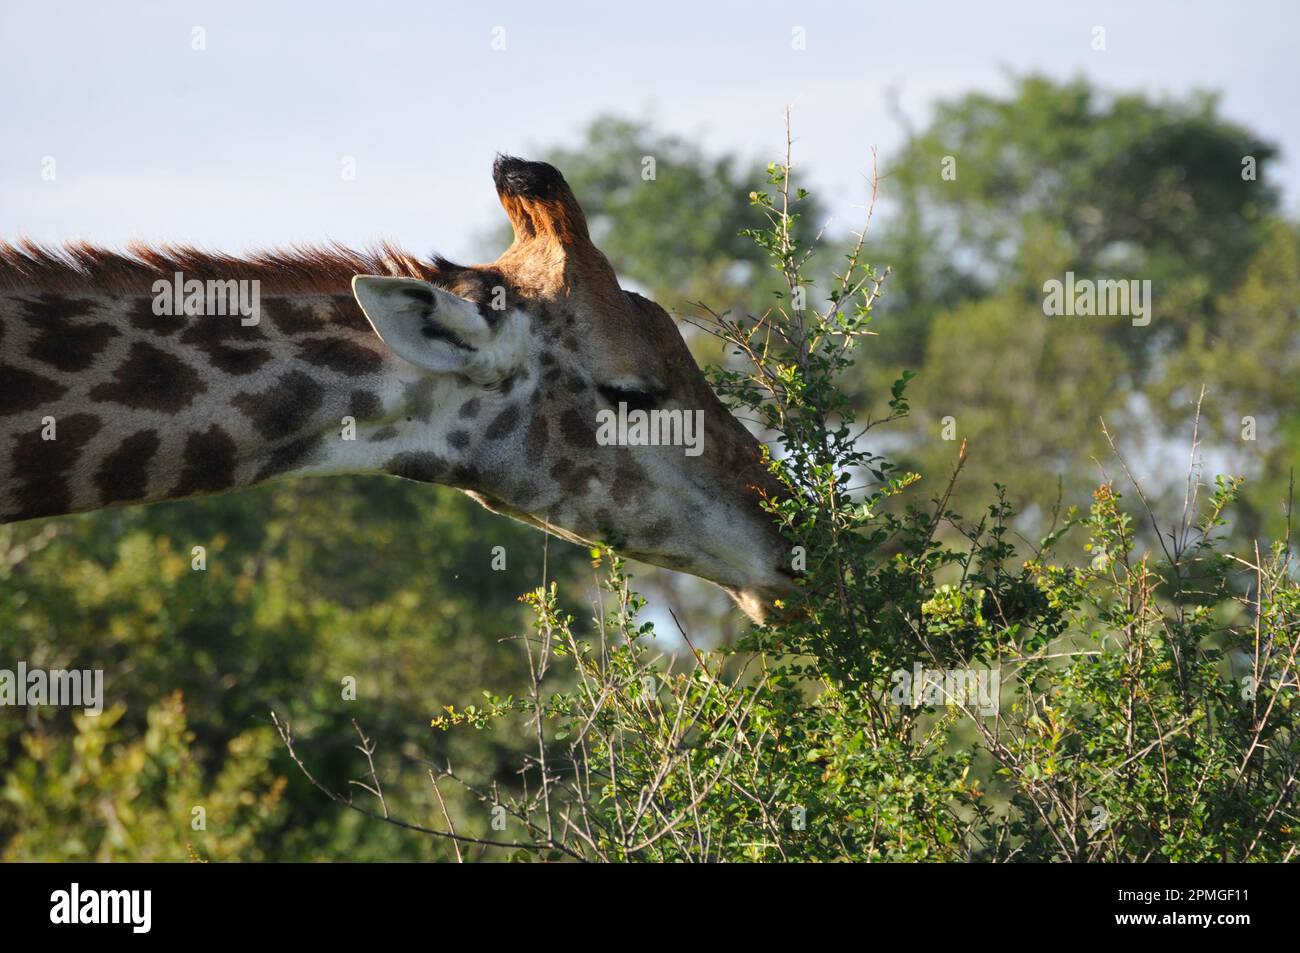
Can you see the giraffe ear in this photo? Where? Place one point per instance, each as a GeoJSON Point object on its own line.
{"type": "Point", "coordinates": [427, 326]}
{"type": "Point", "coordinates": [439, 331]}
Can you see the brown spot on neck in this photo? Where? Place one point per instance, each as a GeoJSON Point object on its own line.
{"type": "Point", "coordinates": [285, 407]}
{"type": "Point", "coordinates": [60, 341]}
{"type": "Point", "coordinates": [151, 379]}
{"type": "Point", "coordinates": [365, 405]}
{"type": "Point", "coordinates": [217, 336]}
{"type": "Point", "coordinates": [504, 423]}
{"type": "Point", "coordinates": [422, 466]}
{"type": "Point", "coordinates": [341, 355]}
{"type": "Point", "coordinates": [209, 463]}
{"type": "Point", "coordinates": [289, 455]}
{"type": "Point", "coordinates": [22, 391]}
{"type": "Point", "coordinates": [124, 474]}
{"type": "Point", "coordinates": [43, 466]}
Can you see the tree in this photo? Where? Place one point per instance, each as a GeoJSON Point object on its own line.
{"type": "Point", "coordinates": [331, 600]}
{"type": "Point", "coordinates": [1001, 194]}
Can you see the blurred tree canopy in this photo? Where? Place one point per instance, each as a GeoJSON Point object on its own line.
{"type": "Point", "coordinates": [1060, 177]}
{"type": "Point", "coordinates": [307, 584]}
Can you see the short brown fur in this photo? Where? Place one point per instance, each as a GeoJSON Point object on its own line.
{"type": "Point", "coordinates": [80, 266]}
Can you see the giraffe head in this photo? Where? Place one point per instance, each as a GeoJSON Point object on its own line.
{"type": "Point", "coordinates": [575, 405]}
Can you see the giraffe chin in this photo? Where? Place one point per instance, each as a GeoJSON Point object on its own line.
{"type": "Point", "coordinates": [766, 606]}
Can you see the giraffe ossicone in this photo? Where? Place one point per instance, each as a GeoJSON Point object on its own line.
{"type": "Point", "coordinates": [491, 378]}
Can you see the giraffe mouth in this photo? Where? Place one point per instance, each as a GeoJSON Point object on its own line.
{"type": "Point", "coordinates": [766, 606]}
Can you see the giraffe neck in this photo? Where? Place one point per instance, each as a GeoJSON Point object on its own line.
{"type": "Point", "coordinates": [103, 401]}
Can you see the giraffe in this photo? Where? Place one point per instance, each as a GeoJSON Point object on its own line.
{"type": "Point", "coordinates": [120, 386]}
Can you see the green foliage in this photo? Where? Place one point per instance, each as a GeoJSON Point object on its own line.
{"type": "Point", "coordinates": [104, 797]}
{"type": "Point", "coordinates": [306, 584]}
{"type": "Point", "coordinates": [1053, 177]}
{"type": "Point", "coordinates": [1154, 188]}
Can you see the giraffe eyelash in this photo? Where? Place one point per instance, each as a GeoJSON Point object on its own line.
{"type": "Point", "coordinates": [635, 399]}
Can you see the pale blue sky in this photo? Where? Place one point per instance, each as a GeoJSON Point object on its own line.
{"type": "Point", "coordinates": [241, 145]}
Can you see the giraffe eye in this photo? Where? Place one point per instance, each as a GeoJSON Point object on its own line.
{"type": "Point", "coordinates": [635, 397]}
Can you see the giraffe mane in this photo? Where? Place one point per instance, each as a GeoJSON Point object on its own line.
{"type": "Point", "coordinates": [84, 267]}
